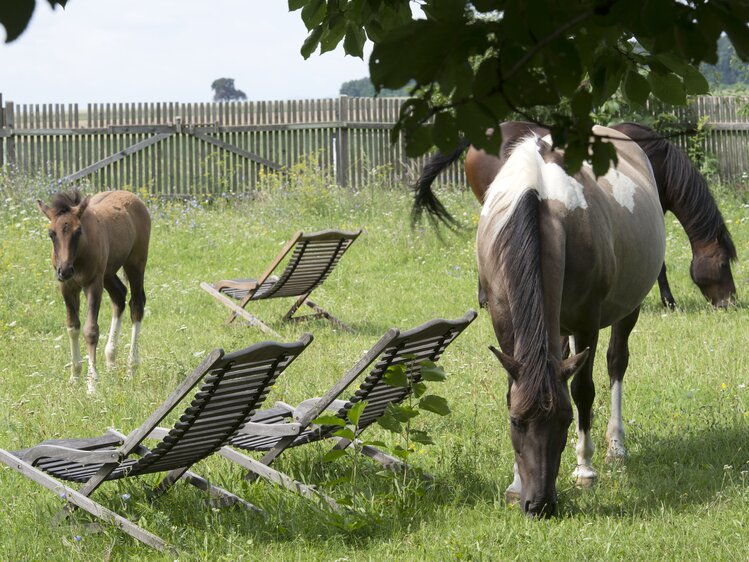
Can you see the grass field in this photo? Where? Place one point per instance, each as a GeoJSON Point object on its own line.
{"type": "Point", "coordinates": [682, 494]}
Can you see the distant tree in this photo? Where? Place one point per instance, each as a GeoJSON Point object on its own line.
{"type": "Point", "coordinates": [729, 69]}
{"type": "Point", "coordinates": [363, 88]}
{"type": "Point", "coordinates": [224, 90]}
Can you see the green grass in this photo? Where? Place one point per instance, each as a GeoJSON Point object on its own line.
{"type": "Point", "coordinates": [682, 494]}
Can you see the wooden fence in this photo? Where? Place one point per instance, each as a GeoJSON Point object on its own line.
{"type": "Point", "coordinates": [175, 149]}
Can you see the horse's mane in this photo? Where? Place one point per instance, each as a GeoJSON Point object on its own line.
{"type": "Point", "coordinates": [686, 192]}
{"type": "Point", "coordinates": [517, 245]}
{"type": "Point", "coordinates": [63, 201]}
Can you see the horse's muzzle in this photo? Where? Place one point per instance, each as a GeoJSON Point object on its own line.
{"type": "Point", "coordinates": [542, 510]}
{"type": "Point", "coordinates": [65, 273]}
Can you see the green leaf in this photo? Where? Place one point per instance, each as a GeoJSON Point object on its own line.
{"type": "Point", "coordinates": [353, 44]}
{"type": "Point", "coordinates": [635, 88]}
{"type": "Point", "coordinates": [445, 132]}
{"type": "Point", "coordinates": [419, 389]}
{"type": "Point", "coordinates": [333, 455]}
{"type": "Point", "coordinates": [694, 82]}
{"type": "Point", "coordinates": [313, 13]}
{"type": "Point", "coordinates": [356, 411]}
{"type": "Point", "coordinates": [667, 87]}
{"type": "Point", "coordinates": [432, 372]}
{"type": "Point", "coordinates": [418, 436]}
{"type": "Point", "coordinates": [329, 419]}
{"type": "Point", "coordinates": [402, 412]}
{"type": "Point", "coordinates": [386, 421]}
{"type": "Point", "coordinates": [435, 404]}
{"type": "Point", "coordinates": [296, 4]}
{"type": "Point", "coordinates": [345, 433]}
{"type": "Point", "coordinates": [311, 42]}
{"type": "Point", "coordinates": [332, 36]}
{"type": "Point", "coordinates": [16, 19]}
{"type": "Point", "coordinates": [396, 376]}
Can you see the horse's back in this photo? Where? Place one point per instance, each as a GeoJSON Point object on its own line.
{"type": "Point", "coordinates": [124, 222]}
{"type": "Point", "coordinates": [621, 236]}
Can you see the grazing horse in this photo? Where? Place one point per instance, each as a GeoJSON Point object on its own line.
{"type": "Point", "coordinates": [681, 188]}
{"type": "Point", "coordinates": [92, 239]}
{"type": "Point", "coordinates": [684, 192]}
{"type": "Point", "coordinates": [565, 255]}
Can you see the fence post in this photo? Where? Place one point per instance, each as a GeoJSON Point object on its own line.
{"type": "Point", "coordinates": [8, 123]}
{"type": "Point", "coordinates": [2, 126]}
{"type": "Point", "coordinates": [342, 152]}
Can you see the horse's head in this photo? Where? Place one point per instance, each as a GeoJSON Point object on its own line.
{"type": "Point", "coordinates": [65, 230]}
{"type": "Point", "coordinates": [540, 416]}
{"type": "Point", "coordinates": [711, 269]}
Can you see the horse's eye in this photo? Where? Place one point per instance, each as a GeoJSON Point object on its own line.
{"type": "Point", "coordinates": [517, 424]}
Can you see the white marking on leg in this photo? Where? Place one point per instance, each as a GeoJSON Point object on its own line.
{"type": "Point", "coordinates": [573, 347]}
{"type": "Point", "coordinates": [615, 429]}
{"type": "Point", "coordinates": [75, 353]}
{"type": "Point", "coordinates": [622, 188]}
{"type": "Point", "coordinates": [110, 351]}
{"type": "Point", "coordinates": [584, 474]}
{"type": "Point", "coordinates": [512, 494]}
{"type": "Point", "coordinates": [91, 375]}
{"type": "Point", "coordinates": [134, 358]}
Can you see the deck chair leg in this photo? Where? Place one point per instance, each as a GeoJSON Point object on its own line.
{"type": "Point", "coordinates": [387, 461]}
{"type": "Point", "coordinates": [276, 477]}
{"type": "Point", "coordinates": [238, 310]}
{"type": "Point", "coordinates": [82, 501]}
{"type": "Point", "coordinates": [320, 313]}
{"type": "Point", "coordinates": [218, 496]}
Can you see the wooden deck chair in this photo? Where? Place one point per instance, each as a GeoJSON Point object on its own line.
{"type": "Point", "coordinates": [313, 256]}
{"type": "Point", "coordinates": [272, 431]}
{"type": "Point", "coordinates": [233, 386]}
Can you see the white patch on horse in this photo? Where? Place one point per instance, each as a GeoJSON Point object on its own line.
{"type": "Point", "coordinates": [557, 185]}
{"type": "Point", "coordinates": [584, 474]}
{"type": "Point", "coordinates": [134, 358]}
{"type": "Point", "coordinates": [512, 494]}
{"type": "Point", "coordinates": [110, 351]}
{"type": "Point", "coordinates": [622, 188]}
{"type": "Point", "coordinates": [615, 429]}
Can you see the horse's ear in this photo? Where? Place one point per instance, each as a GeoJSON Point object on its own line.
{"type": "Point", "coordinates": [81, 207]}
{"type": "Point", "coordinates": [511, 366]}
{"type": "Point", "coordinates": [572, 365]}
{"type": "Point", "coordinates": [45, 209]}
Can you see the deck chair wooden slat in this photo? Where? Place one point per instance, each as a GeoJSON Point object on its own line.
{"type": "Point", "coordinates": [311, 259]}
{"type": "Point", "coordinates": [428, 341]}
{"type": "Point", "coordinates": [195, 436]}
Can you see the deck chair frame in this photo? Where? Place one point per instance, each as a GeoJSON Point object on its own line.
{"type": "Point", "coordinates": [298, 279]}
{"type": "Point", "coordinates": [274, 430]}
{"type": "Point", "coordinates": [234, 385]}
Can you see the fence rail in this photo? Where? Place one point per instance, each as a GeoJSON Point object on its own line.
{"type": "Point", "coordinates": [177, 149]}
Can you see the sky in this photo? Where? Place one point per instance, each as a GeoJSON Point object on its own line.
{"type": "Point", "coordinates": [167, 51]}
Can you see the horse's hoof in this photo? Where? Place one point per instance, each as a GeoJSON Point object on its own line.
{"type": "Point", "coordinates": [90, 388]}
{"type": "Point", "coordinates": [585, 476]}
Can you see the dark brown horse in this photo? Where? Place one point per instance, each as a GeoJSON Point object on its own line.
{"type": "Point", "coordinates": [92, 239]}
{"type": "Point", "coordinates": [681, 188]}
{"type": "Point", "coordinates": [561, 255]}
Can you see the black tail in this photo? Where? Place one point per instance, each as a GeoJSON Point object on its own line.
{"type": "Point", "coordinates": [424, 197]}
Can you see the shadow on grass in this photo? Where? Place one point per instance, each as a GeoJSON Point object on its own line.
{"type": "Point", "coordinates": [675, 472]}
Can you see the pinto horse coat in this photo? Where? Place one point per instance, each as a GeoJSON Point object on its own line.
{"type": "Point", "coordinates": [93, 238]}
{"type": "Point", "coordinates": [561, 255]}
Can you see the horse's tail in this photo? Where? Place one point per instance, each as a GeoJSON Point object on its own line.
{"type": "Point", "coordinates": [424, 197]}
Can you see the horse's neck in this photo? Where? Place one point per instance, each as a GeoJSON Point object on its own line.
{"type": "Point", "coordinates": [684, 192]}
